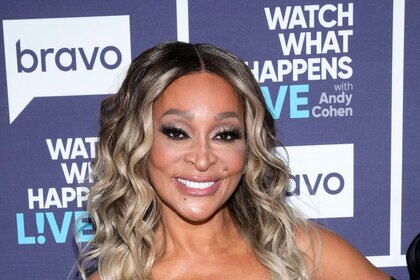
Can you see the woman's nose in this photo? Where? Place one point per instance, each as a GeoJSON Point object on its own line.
{"type": "Point", "coordinates": [201, 155]}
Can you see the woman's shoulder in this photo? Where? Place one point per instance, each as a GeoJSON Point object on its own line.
{"type": "Point", "coordinates": [329, 256]}
{"type": "Point", "coordinates": [94, 276]}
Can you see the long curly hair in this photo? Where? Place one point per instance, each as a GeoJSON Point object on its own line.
{"type": "Point", "coordinates": [122, 203]}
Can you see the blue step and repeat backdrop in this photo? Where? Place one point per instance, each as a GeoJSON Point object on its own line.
{"type": "Point", "coordinates": [341, 79]}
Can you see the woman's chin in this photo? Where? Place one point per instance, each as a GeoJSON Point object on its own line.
{"type": "Point", "coordinates": [197, 215]}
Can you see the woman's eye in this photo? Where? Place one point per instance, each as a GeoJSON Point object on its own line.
{"type": "Point", "coordinates": [228, 136]}
{"type": "Point", "coordinates": [174, 133]}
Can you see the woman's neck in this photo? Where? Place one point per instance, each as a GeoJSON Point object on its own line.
{"type": "Point", "coordinates": [212, 249]}
{"type": "Point", "coordinates": [176, 235]}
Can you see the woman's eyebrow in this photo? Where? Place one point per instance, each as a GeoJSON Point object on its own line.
{"type": "Point", "coordinates": [226, 115]}
{"type": "Point", "coordinates": [189, 115]}
{"type": "Point", "coordinates": [172, 111]}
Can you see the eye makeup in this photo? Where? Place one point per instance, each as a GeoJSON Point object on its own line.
{"type": "Point", "coordinates": [228, 134]}
{"type": "Point", "coordinates": [224, 134]}
{"type": "Point", "coordinates": [173, 132]}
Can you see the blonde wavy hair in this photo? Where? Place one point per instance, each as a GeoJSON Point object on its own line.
{"type": "Point", "coordinates": [122, 203]}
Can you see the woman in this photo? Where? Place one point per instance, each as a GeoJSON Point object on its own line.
{"type": "Point", "coordinates": [186, 184]}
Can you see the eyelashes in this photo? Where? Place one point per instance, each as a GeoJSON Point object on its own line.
{"type": "Point", "coordinates": [228, 135]}
{"type": "Point", "coordinates": [173, 132]}
{"type": "Point", "coordinates": [222, 134]}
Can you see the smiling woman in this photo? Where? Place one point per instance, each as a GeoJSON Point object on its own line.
{"type": "Point", "coordinates": [198, 126]}
{"type": "Point", "coordinates": [186, 184]}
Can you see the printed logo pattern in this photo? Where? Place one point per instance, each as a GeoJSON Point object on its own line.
{"type": "Point", "coordinates": [76, 56]}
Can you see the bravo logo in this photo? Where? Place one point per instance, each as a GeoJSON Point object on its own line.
{"type": "Point", "coordinates": [64, 57]}
{"type": "Point", "coordinates": [321, 185]}
{"type": "Point", "coordinates": [70, 55]}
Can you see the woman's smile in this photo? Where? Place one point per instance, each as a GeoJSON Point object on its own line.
{"type": "Point", "coordinates": [196, 184]}
{"type": "Point", "coordinates": [197, 188]}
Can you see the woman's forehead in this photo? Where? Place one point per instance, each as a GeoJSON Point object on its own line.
{"type": "Point", "coordinates": [199, 91]}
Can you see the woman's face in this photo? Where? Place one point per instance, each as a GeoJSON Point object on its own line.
{"type": "Point", "coordinates": [199, 149]}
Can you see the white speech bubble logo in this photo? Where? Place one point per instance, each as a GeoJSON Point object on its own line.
{"type": "Point", "coordinates": [64, 57]}
{"type": "Point", "coordinates": [324, 174]}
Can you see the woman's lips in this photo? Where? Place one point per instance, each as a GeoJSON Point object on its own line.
{"type": "Point", "coordinates": [195, 184]}
{"type": "Point", "coordinates": [197, 188]}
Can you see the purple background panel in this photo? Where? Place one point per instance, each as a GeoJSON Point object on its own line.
{"type": "Point", "coordinates": [241, 27]}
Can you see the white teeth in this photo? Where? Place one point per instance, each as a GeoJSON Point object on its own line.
{"type": "Point", "coordinates": [195, 185]}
